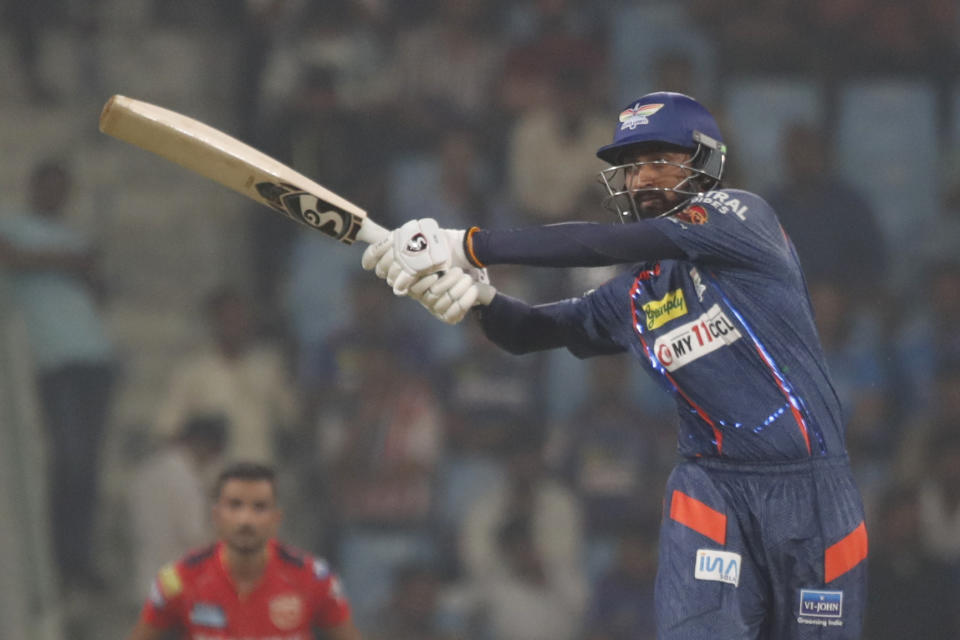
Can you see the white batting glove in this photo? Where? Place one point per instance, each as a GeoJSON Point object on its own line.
{"type": "Point", "coordinates": [450, 296]}
{"type": "Point", "coordinates": [417, 248]}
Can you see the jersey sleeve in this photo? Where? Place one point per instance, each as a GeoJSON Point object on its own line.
{"type": "Point", "coordinates": [330, 605]}
{"type": "Point", "coordinates": [520, 328]}
{"type": "Point", "coordinates": [163, 608]}
{"type": "Point", "coordinates": [729, 228]}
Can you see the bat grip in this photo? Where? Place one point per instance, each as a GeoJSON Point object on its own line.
{"type": "Point", "coordinates": [371, 232]}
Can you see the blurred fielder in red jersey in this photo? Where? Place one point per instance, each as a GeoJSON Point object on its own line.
{"type": "Point", "coordinates": [247, 585]}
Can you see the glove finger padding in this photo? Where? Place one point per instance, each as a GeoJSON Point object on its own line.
{"type": "Point", "coordinates": [422, 286]}
{"type": "Point", "coordinates": [393, 273]}
{"type": "Point", "coordinates": [385, 263]}
{"type": "Point", "coordinates": [438, 298]}
{"type": "Point", "coordinates": [373, 253]}
{"type": "Point", "coordinates": [461, 306]}
{"type": "Point", "coordinates": [461, 286]}
{"type": "Point", "coordinates": [401, 280]}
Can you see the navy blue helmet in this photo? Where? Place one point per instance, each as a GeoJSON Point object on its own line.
{"type": "Point", "coordinates": [663, 121]}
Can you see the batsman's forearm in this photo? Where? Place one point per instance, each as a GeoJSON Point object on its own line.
{"type": "Point", "coordinates": [520, 328]}
{"type": "Point", "coordinates": [571, 244]}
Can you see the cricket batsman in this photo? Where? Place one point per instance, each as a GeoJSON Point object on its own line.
{"type": "Point", "coordinates": [763, 533]}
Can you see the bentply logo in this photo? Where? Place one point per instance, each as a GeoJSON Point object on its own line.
{"type": "Point", "coordinates": [821, 604]}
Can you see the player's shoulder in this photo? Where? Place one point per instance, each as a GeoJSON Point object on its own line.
{"type": "Point", "coordinates": [738, 203]}
{"type": "Point", "coordinates": [193, 562]}
{"type": "Point", "coordinates": [301, 562]}
{"type": "Point", "coordinates": [175, 578]}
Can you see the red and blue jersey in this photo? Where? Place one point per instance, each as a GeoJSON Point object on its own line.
{"type": "Point", "coordinates": [296, 595]}
{"type": "Point", "coordinates": [724, 324]}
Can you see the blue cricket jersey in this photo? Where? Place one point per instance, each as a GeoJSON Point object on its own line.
{"type": "Point", "coordinates": [727, 329]}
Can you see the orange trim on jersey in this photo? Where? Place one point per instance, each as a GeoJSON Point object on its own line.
{"type": "Point", "coordinates": [703, 519]}
{"type": "Point", "coordinates": [845, 554]}
{"type": "Point", "coordinates": [468, 246]}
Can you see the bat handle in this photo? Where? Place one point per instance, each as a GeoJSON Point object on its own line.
{"type": "Point", "coordinates": [371, 232]}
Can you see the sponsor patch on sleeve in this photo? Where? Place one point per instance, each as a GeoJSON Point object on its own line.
{"type": "Point", "coordinates": [320, 569]}
{"type": "Point", "coordinates": [169, 581]}
{"type": "Point", "coordinates": [156, 596]}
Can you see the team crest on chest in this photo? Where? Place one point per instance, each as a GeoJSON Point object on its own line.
{"type": "Point", "coordinates": [286, 611]}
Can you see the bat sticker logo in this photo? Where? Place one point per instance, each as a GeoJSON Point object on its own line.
{"type": "Point", "coordinates": [416, 244]}
{"type": "Point", "coordinates": [310, 210]}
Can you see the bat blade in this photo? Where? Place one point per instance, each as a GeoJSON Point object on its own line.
{"type": "Point", "coordinates": [222, 158]}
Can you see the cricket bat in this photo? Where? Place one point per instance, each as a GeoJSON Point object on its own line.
{"type": "Point", "coordinates": [224, 159]}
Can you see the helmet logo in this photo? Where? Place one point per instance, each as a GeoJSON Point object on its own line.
{"type": "Point", "coordinates": [637, 114]}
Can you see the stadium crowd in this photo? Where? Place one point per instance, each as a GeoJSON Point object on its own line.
{"type": "Point", "coordinates": [483, 495]}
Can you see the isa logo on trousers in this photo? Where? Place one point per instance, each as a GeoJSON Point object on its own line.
{"type": "Point", "coordinates": [719, 566]}
{"type": "Point", "coordinates": [821, 604]}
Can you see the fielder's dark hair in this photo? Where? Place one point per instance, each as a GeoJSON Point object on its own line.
{"type": "Point", "coordinates": [251, 471]}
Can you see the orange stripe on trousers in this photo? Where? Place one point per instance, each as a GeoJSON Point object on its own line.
{"type": "Point", "coordinates": [704, 520]}
{"type": "Point", "coordinates": [845, 554]}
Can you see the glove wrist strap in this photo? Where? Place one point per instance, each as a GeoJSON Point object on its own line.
{"type": "Point", "coordinates": [468, 248]}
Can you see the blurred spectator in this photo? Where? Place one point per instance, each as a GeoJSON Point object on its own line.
{"type": "Point", "coordinates": [611, 458]}
{"type": "Point", "coordinates": [412, 611]}
{"type": "Point", "coordinates": [27, 23]}
{"type": "Point", "coordinates": [832, 226]}
{"type": "Point", "coordinates": [921, 428]}
{"type": "Point", "coordinates": [547, 37]}
{"type": "Point", "coordinates": [554, 514]}
{"type": "Point", "coordinates": [526, 601]}
{"type": "Point", "coordinates": [939, 495]}
{"type": "Point", "coordinates": [53, 268]}
{"type": "Point", "coordinates": [209, 14]}
{"type": "Point", "coordinates": [450, 183]}
{"type": "Point", "coordinates": [262, 24]}
{"type": "Point", "coordinates": [350, 38]}
{"type": "Point", "coordinates": [755, 36]}
{"type": "Point", "coordinates": [331, 366]}
{"type": "Point", "coordinates": [941, 239]}
{"type": "Point", "coordinates": [169, 497]}
{"type": "Point", "coordinates": [887, 35]}
{"type": "Point", "coordinates": [380, 441]}
{"type": "Point", "coordinates": [676, 71]}
{"type": "Point", "coordinates": [912, 594]}
{"type": "Point", "coordinates": [237, 375]}
{"type": "Point", "coordinates": [447, 64]}
{"type": "Point", "coordinates": [551, 160]}
{"type": "Point", "coordinates": [486, 395]}
{"type": "Point", "coordinates": [926, 340]}
{"type": "Point", "coordinates": [310, 123]}
{"type": "Point", "coordinates": [622, 605]}
{"type": "Point", "coordinates": [854, 353]}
